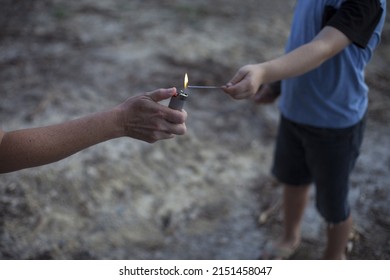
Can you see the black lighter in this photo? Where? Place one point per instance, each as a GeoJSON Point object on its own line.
{"type": "Point", "coordinates": [177, 101]}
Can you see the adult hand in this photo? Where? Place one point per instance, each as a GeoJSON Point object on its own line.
{"type": "Point", "coordinates": [143, 118]}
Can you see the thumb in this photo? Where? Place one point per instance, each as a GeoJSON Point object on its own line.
{"type": "Point", "coordinates": [161, 94]}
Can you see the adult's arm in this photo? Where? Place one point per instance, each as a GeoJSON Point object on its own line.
{"type": "Point", "coordinates": [140, 117]}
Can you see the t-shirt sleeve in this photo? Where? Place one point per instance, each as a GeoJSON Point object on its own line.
{"type": "Point", "coordinates": [357, 19]}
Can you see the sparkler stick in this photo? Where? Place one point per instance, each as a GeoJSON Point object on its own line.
{"type": "Point", "coordinates": [204, 87]}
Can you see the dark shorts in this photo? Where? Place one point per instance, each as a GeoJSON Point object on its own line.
{"type": "Point", "coordinates": [306, 154]}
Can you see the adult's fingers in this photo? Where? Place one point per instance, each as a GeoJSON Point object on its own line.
{"type": "Point", "coordinates": [157, 136]}
{"type": "Point", "coordinates": [175, 116]}
{"type": "Point", "coordinates": [176, 129]}
{"type": "Point", "coordinates": [161, 94]}
{"type": "Point", "coordinates": [167, 130]}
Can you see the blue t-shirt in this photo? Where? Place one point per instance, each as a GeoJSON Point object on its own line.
{"type": "Point", "coordinates": [335, 94]}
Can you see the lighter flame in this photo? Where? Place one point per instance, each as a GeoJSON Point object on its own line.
{"type": "Point", "coordinates": [185, 80]}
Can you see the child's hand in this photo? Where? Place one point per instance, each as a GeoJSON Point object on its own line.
{"type": "Point", "coordinates": [245, 83]}
{"type": "Point", "coordinates": [267, 93]}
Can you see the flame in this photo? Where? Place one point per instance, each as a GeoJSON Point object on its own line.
{"type": "Point", "coordinates": [185, 80]}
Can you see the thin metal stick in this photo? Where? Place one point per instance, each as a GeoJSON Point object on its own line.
{"type": "Point", "coordinates": [203, 87]}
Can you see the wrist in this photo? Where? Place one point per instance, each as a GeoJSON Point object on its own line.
{"type": "Point", "coordinates": [258, 75]}
{"type": "Point", "coordinates": [261, 73]}
{"type": "Point", "coordinates": [117, 119]}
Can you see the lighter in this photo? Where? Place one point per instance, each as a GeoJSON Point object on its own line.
{"type": "Point", "coordinates": [177, 101]}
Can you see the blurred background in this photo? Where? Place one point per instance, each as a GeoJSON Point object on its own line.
{"type": "Point", "coordinates": [205, 195]}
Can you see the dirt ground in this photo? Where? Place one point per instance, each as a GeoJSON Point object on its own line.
{"type": "Point", "coordinates": [205, 195]}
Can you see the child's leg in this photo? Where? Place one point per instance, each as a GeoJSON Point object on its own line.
{"type": "Point", "coordinates": [294, 204]}
{"type": "Point", "coordinates": [337, 240]}
{"type": "Point", "coordinates": [332, 166]}
{"type": "Point", "coordinates": [291, 169]}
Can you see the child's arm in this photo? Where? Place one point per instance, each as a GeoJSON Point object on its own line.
{"type": "Point", "coordinates": [329, 42]}
{"type": "Point", "coordinates": [139, 117]}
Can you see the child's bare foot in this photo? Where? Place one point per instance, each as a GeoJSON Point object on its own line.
{"type": "Point", "coordinates": [279, 251]}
